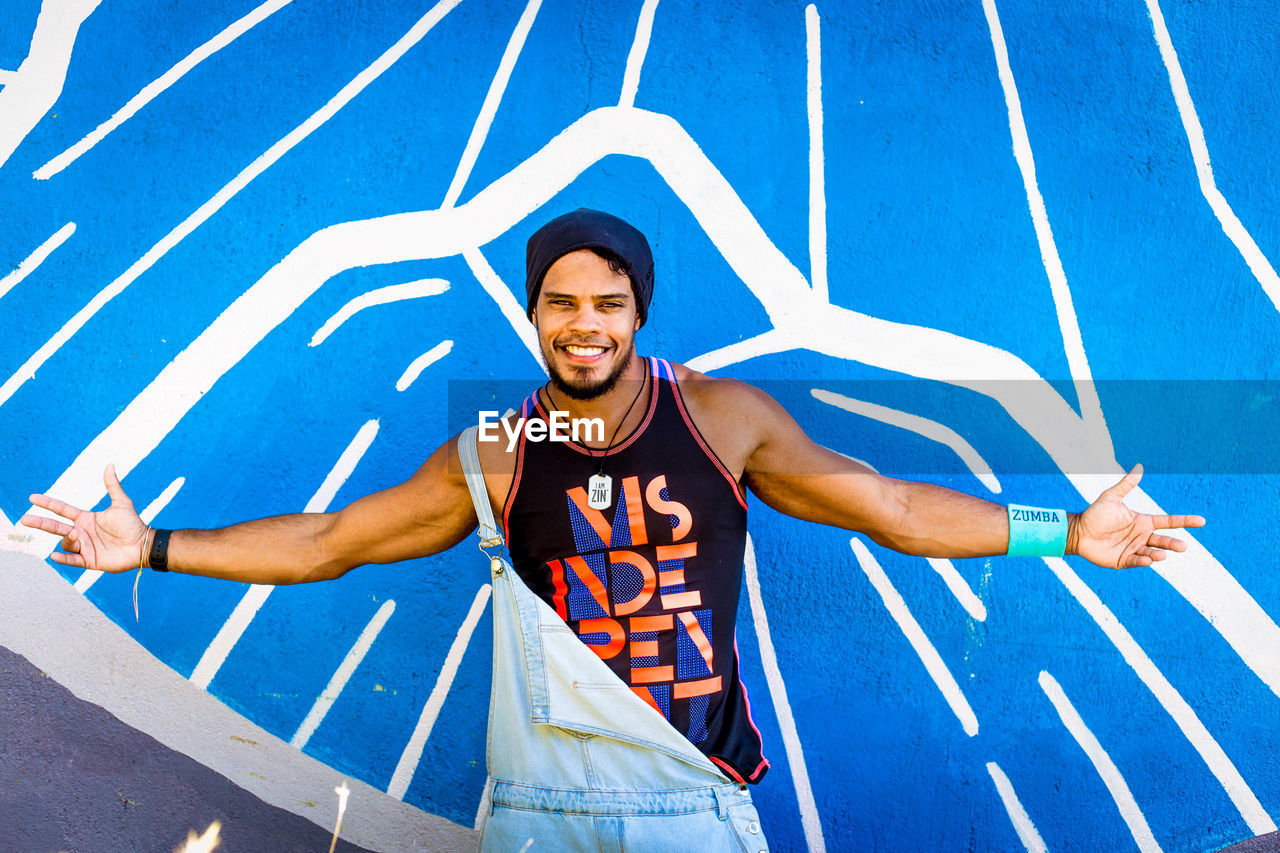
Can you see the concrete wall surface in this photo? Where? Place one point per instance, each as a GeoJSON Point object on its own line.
{"type": "Point", "coordinates": [265, 257]}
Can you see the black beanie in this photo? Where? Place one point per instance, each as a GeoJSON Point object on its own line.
{"type": "Point", "coordinates": [589, 229]}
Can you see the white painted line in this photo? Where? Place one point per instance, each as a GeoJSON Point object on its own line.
{"type": "Point", "coordinates": [31, 90]}
{"type": "Point", "coordinates": [343, 468]}
{"type": "Point", "coordinates": [412, 754]}
{"type": "Point", "coordinates": [1259, 822]}
{"type": "Point", "coordinates": [635, 58]}
{"type": "Point", "coordinates": [931, 430]}
{"type": "Point", "coordinates": [343, 674]}
{"type": "Point", "coordinates": [216, 654]}
{"type": "Point", "coordinates": [817, 178]}
{"type": "Point", "coordinates": [916, 637]}
{"type": "Point", "coordinates": [90, 576]}
{"type": "Point", "coordinates": [36, 258]}
{"type": "Point", "coordinates": [1102, 763]}
{"type": "Point", "coordinates": [809, 818]}
{"type": "Point", "coordinates": [380, 296]}
{"type": "Point", "coordinates": [480, 268]}
{"type": "Point", "coordinates": [765, 343]}
{"type": "Point", "coordinates": [421, 363]}
{"type": "Point", "coordinates": [224, 195]}
{"type": "Point", "coordinates": [154, 508]}
{"type": "Point", "coordinates": [155, 87]}
{"type": "Point", "coordinates": [229, 634]}
{"type": "Point", "coordinates": [1261, 268]}
{"type": "Point", "coordinates": [959, 588]}
{"type": "Point", "coordinates": [1073, 343]}
{"type": "Point", "coordinates": [482, 809]}
{"type": "Point", "coordinates": [7, 77]}
{"type": "Point", "coordinates": [1022, 824]}
{"type": "Point", "coordinates": [492, 98]}
{"type": "Point", "coordinates": [506, 302]}
{"type": "Point", "coordinates": [1209, 587]}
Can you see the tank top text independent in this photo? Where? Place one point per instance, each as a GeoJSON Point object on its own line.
{"type": "Point", "coordinates": [651, 583]}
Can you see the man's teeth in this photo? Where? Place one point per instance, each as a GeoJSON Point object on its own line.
{"type": "Point", "coordinates": [577, 350]}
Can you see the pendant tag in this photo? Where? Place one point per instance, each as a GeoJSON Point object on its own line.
{"type": "Point", "coordinates": [600, 491]}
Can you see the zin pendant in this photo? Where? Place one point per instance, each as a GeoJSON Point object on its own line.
{"type": "Point", "coordinates": [600, 491]}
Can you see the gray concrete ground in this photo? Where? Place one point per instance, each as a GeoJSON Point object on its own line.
{"type": "Point", "coordinates": [1269, 843]}
{"type": "Point", "coordinates": [104, 748]}
{"type": "Point", "coordinates": [78, 779]}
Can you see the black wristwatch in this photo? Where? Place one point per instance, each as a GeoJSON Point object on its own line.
{"type": "Point", "coordinates": [159, 557]}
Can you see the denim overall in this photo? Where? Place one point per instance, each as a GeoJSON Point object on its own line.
{"type": "Point", "coordinates": [576, 760]}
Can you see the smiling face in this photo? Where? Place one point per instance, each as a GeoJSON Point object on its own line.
{"type": "Point", "coordinates": [586, 319]}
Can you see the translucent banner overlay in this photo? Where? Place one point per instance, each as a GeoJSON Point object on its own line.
{"type": "Point", "coordinates": [927, 429]}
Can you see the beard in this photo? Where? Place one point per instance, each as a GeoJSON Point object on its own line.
{"type": "Point", "coordinates": [577, 383]}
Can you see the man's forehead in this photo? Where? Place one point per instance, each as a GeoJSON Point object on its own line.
{"type": "Point", "coordinates": [579, 261]}
{"type": "Point", "coordinates": [583, 273]}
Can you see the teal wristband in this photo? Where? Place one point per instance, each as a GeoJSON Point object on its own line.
{"type": "Point", "coordinates": [1036, 532]}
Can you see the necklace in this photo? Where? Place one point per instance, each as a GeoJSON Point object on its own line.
{"type": "Point", "coordinates": [600, 484]}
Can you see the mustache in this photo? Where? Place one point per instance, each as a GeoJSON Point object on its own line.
{"type": "Point", "coordinates": [578, 341]}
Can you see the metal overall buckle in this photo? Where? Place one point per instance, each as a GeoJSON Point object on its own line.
{"type": "Point", "coordinates": [494, 541]}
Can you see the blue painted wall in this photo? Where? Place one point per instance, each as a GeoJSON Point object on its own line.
{"type": "Point", "coordinates": [928, 225]}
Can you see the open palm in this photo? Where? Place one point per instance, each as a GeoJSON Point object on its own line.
{"type": "Point", "coordinates": [109, 540]}
{"type": "Point", "coordinates": [1110, 534]}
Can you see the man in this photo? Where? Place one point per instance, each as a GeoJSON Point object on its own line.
{"type": "Point", "coordinates": [634, 538]}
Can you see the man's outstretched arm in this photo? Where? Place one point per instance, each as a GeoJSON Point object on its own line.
{"type": "Point", "coordinates": [428, 513]}
{"type": "Point", "coordinates": [800, 478]}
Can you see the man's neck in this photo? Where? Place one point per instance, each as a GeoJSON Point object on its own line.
{"type": "Point", "coordinates": [621, 402]}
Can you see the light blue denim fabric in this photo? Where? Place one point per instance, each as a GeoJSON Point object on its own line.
{"type": "Point", "coordinates": [576, 760]}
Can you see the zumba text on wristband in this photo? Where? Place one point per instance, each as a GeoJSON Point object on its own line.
{"type": "Point", "coordinates": [159, 557]}
{"type": "Point", "coordinates": [1037, 532]}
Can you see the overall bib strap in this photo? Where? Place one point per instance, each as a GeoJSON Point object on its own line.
{"type": "Point", "coordinates": [468, 451]}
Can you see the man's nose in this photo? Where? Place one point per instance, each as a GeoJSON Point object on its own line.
{"type": "Point", "coordinates": [586, 320]}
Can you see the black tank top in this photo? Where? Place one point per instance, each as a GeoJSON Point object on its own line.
{"type": "Point", "coordinates": [651, 583]}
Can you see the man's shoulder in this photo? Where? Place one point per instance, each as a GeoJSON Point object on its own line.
{"type": "Point", "coordinates": [735, 418]}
